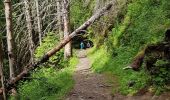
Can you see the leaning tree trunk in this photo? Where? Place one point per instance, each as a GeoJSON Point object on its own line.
{"type": "Point", "coordinates": [60, 46]}
{"type": "Point", "coordinates": [59, 18]}
{"type": "Point", "coordinates": [66, 8]}
{"type": "Point", "coordinates": [30, 30]}
{"type": "Point", "coordinates": [1, 71]}
{"type": "Point", "coordinates": [8, 15]}
{"type": "Point", "coordinates": [38, 21]}
{"type": "Point", "coordinates": [97, 6]}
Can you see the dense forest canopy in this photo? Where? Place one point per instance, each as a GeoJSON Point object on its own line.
{"type": "Point", "coordinates": [40, 42]}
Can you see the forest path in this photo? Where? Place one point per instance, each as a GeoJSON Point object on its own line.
{"type": "Point", "coordinates": [88, 85]}
{"type": "Point", "coordinates": [93, 86]}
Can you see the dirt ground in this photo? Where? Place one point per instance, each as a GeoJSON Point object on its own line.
{"type": "Point", "coordinates": [92, 86]}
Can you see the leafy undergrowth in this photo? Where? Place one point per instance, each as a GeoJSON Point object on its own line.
{"type": "Point", "coordinates": [49, 42]}
{"type": "Point", "coordinates": [102, 61]}
{"type": "Point", "coordinates": [53, 79]}
{"type": "Point", "coordinates": [48, 83]}
{"type": "Point", "coordinates": [144, 22]}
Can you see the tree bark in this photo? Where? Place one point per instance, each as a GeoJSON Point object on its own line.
{"type": "Point", "coordinates": [38, 21]}
{"type": "Point", "coordinates": [59, 19]}
{"type": "Point", "coordinates": [97, 5]}
{"type": "Point", "coordinates": [1, 72]}
{"type": "Point", "coordinates": [30, 30]}
{"type": "Point", "coordinates": [60, 46]}
{"type": "Point", "coordinates": [8, 14]}
{"type": "Point", "coordinates": [66, 17]}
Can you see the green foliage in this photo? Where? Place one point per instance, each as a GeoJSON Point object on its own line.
{"type": "Point", "coordinates": [49, 42]}
{"type": "Point", "coordinates": [102, 28]}
{"type": "Point", "coordinates": [118, 32]}
{"type": "Point", "coordinates": [102, 61]}
{"type": "Point", "coordinates": [162, 76]}
{"type": "Point", "coordinates": [48, 83]}
{"type": "Point", "coordinates": [53, 80]}
{"type": "Point", "coordinates": [99, 57]}
{"type": "Point", "coordinates": [148, 22]}
{"type": "Point", "coordinates": [80, 12]}
{"type": "Point", "coordinates": [144, 23]}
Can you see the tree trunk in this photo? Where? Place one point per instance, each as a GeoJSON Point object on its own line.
{"type": "Point", "coordinates": [8, 14]}
{"type": "Point", "coordinates": [38, 21]}
{"type": "Point", "coordinates": [60, 46]}
{"type": "Point", "coordinates": [97, 5]}
{"type": "Point", "coordinates": [66, 18]}
{"type": "Point", "coordinates": [59, 18]}
{"type": "Point", "coordinates": [1, 72]}
{"type": "Point", "coordinates": [30, 30]}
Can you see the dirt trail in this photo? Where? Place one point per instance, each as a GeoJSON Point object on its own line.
{"type": "Point", "coordinates": [88, 86]}
{"type": "Point", "coordinates": [92, 86]}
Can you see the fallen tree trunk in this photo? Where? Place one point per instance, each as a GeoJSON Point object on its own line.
{"type": "Point", "coordinates": [60, 46]}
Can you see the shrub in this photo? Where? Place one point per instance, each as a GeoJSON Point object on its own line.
{"type": "Point", "coordinates": [49, 42]}
{"type": "Point", "coordinates": [52, 80]}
